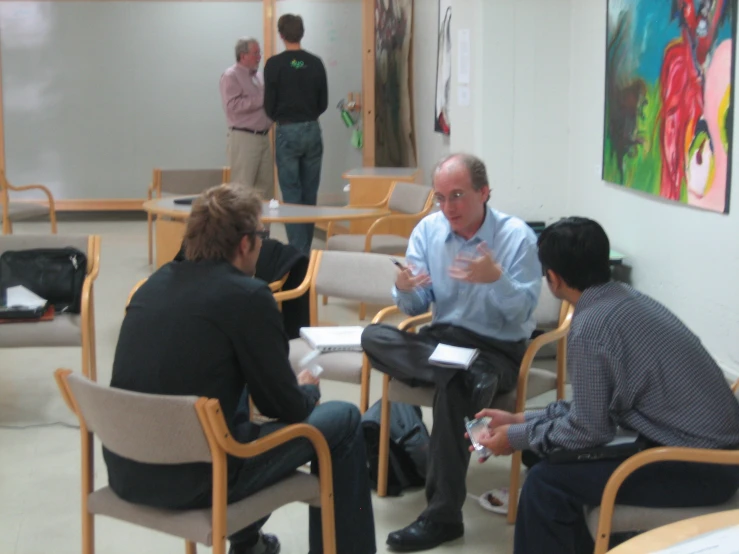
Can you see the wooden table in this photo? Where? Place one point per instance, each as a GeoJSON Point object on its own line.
{"type": "Point", "coordinates": [170, 220]}
{"type": "Point", "coordinates": [671, 535]}
{"type": "Point", "coordinates": [370, 185]}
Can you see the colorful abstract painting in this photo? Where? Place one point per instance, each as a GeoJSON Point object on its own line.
{"type": "Point", "coordinates": [395, 141]}
{"type": "Point", "coordinates": [668, 99]}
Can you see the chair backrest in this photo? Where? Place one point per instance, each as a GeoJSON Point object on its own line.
{"type": "Point", "coordinates": [410, 198]}
{"type": "Point", "coordinates": [360, 276]}
{"type": "Point", "coordinates": [147, 428]}
{"type": "Point", "coordinates": [189, 181]}
{"type": "Point", "coordinates": [28, 242]}
{"type": "Point", "coordinates": [547, 311]}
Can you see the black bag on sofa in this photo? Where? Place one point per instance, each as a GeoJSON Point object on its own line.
{"type": "Point", "coordinates": [55, 274]}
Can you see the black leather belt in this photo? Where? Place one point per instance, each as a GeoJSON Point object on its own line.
{"type": "Point", "coordinates": [252, 131]}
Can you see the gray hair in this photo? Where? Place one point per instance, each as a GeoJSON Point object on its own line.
{"type": "Point", "coordinates": [474, 165]}
{"type": "Point", "coordinates": [243, 45]}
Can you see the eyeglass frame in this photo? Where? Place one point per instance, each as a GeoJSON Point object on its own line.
{"type": "Point", "coordinates": [454, 197]}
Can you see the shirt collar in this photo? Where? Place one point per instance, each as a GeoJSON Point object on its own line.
{"type": "Point", "coordinates": [487, 229]}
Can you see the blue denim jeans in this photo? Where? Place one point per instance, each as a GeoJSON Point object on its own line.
{"type": "Point", "coordinates": [340, 424]}
{"type": "Point", "coordinates": [298, 155]}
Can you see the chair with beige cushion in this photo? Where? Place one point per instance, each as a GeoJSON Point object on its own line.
{"type": "Point", "coordinates": [357, 276]}
{"type": "Point", "coordinates": [610, 517]}
{"type": "Point", "coordinates": [171, 182]}
{"type": "Point", "coordinates": [408, 202]}
{"type": "Point", "coordinates": [14, 211]}
{"type": "Point", "coordinates": [532, 382]}
{"type": "Point", "coordinates": [65, 329]}
{"type": "Point", "coordinates": [161, 429]}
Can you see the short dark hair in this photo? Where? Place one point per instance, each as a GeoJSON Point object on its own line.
{"type": "Point", "coordinates": [220, 217]}
{"type": "Point", "coordinates": [291, 27]}
{"type": "Point", "coordinates": [577, 249]}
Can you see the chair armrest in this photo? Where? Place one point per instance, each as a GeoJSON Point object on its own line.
{"type": "Point", "coordinates": [301, 289]}
{"type": "Point", "coordinates": [412, 322]}
{"type": "Point", "coordinates": [136, 287]}
{"type": "Point", "coordinates": [275, 286]}
{"type": "Point", "coordinates": [385, 313]}
{"type": "Point", "coordinates": [528, 358]}
{"type": "Point", "coordinates": [375, 227]}
{"type": "Point", "coordinates": [637, 461]}
{"type": "Point", "coordinates": [42, 188]}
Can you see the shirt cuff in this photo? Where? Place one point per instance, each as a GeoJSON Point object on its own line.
{"type": "Point", "coordinates": [531, 415]}
{"type": "Point", "coordinates": [504, 286]}
{"type": "Point", "coordinates": [404, 299]}
{"type": "Point", "coordinates": [518, 436]}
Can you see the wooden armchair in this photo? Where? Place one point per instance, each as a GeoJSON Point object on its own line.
{"type": "Point", "coordinates": [185, 429]}
{"type": "Point", "coordinates": [611, 518]}
{"type": "Point", "coordinates": [66, 329]}
{"type": "Point", "coordinates": [532, 382]}
{"type": "Point", "coordinates": [22, 210]}
{"type": "Point", "coordinates": [340, 274]}
{"type": "Point", "coordinates": [181, 182]}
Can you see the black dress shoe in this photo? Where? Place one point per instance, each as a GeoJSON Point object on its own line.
{"type": "Point", "coordinates": [267, 544]}
{"type": "Point", "coordinates": [424, 534]}
{"type": "Point", "coordinates": [483, 387]}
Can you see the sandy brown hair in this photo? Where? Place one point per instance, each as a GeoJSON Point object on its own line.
{"type": "Point", "coordinates": [220, 217]}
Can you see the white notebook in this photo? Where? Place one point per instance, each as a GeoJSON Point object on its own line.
{"type": "Point", "coordinates": [330, 339]}
{"type": "Point", "coordinates": [453, 356]}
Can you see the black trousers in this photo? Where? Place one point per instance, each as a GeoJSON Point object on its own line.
{"type": "Point", "coordinates": [550, 517]}
{"type": "Point", "coordinates": [404, 356]}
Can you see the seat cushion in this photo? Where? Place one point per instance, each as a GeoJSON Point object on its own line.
{"type": "Point", "coordinates": [23, 210]}
{"type": "Point", "coordinates": [381, 244]}
{"type": "Point", "coordinates": [337, 366]}
{"type": "Point", "coordinates": [63, 330]}
{"type": "Point", "coordinates": [195, 525]}
{"type": "Point", "coordinates": [540, 381]}
{"type": "Point", "coordinates": [635, 518]}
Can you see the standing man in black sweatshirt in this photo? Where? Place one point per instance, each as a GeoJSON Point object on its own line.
{"type": "Point", "coordinates": [295, 94]}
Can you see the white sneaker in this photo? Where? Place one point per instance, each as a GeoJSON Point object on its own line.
{"type": "Point", "coordinates": [495, 501]}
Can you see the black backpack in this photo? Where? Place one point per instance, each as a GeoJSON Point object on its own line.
{"type": "Point", "coordinates": [409, 441]}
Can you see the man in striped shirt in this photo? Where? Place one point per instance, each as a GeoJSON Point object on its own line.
{"type": "Point", "coordinates": [632, 364]}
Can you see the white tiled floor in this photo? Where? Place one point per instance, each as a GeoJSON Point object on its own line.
{"type": "Point", "coordinates": [39, 466]}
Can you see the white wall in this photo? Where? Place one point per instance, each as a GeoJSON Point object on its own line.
{"type": "Point", "coordinates": [517, 120]}
{"type": "Point", "coordinates": [430, 146]}
{"type": "Point", "coordinates": [686, 258]}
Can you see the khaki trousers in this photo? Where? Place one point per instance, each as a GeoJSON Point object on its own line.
{"type": "Point", "coordinates": [251, 162]}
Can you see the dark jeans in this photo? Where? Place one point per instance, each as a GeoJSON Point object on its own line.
{"type": "Point", "coordinates": [298, 155]}
{"type": "Point", "coordinates": [405, 356]}
{"type": "Point", "coordinates": [550, 516]}
{"type": "Point", "coordinates": [340, 424]}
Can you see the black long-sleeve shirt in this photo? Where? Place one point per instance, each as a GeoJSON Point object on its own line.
{"type": "Point", "coordinates": [202, 329]}
{"type": "Point", "coordinates": [295, 87]}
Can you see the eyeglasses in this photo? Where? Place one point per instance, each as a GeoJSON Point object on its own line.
{"type": "Point", "coordinates": [261, 233]}
{"type": "Point", "coordinates": [453, 198]}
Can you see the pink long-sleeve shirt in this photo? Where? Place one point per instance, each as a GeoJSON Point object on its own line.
{"type": "Point", "coordinates": [242, 94]}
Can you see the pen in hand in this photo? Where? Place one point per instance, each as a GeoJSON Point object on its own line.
{"type": "Point", "coordinates": [400, 266]}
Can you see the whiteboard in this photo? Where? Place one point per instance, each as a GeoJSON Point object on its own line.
{"type": "Point", "coordinates": [333, 32]}
{"type": "Point", "coordinates": [97, 94]}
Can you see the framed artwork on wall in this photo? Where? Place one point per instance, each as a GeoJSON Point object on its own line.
{"type": "Point", "coordinates": [668, 99]}
{"type": "Point", "coordinates": [443, 68]}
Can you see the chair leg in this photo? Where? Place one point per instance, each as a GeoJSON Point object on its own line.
{"type": "Point", "coordinates": [149, 225]}
{"type": "Point", "coordinates": [190, 548]}
{"type": "Point", "coordinates": [362, 311]}
{"type": "Point", "coordinates": [7, 226]}
{"type": "Point", "coordinates": [384, 454]}
{"type": "Point", "coordinates": [514, 486]}
{"type": "Point", "coordinates": [325, 299]}
{"type": "Point", "coordinates": [88, 534]}
{"type": "Point", "coordinates": [93, 366]}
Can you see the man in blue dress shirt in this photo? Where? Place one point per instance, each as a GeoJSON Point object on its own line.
{"type": "Point", "coordinates": [479, 268]}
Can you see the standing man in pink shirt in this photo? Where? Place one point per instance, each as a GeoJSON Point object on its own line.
{"type": "Point", "coordinates": [242, 94]}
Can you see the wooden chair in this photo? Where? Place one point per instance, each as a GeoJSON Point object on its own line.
{"type": "Point", "coordinates": [350, 275]}
{"type": "Point", "coordinates": [532, 382]}
{"type": "Point", "coordinates": [181, 182]}
{"type": "Point", "coordinates": [22, 210]}
{"type": "Point", "coordinates": [408, 202]}
{"type": "Point", "coordinates": [610, 517]}
{"type": "Point", "coordinates": [66, 329]}
{"type": "Point", "coordinates": [185, 429]}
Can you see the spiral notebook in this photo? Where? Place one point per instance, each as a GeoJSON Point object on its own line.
{"type": "Point", "coordinates": [454, 357]}
{"type": "Point", "coordinates": [333, 339]}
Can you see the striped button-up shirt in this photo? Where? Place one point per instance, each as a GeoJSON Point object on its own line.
{"type": "Point", "coordinates": [633, 364]}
